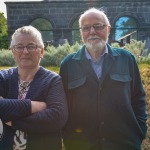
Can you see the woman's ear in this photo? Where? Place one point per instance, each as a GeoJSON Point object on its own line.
{"type": "Point", "coordinates": [12, 53]}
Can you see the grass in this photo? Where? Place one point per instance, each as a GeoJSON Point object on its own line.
{"type": "Point", "coordinates": [4, 67]}
{"type": "Point", "coordinates": [53, 68]}
{"type": "Point", "coordinates": [141, 66]}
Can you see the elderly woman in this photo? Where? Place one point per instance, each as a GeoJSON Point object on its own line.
{"type": "Point", "coordinates": [33, 105]}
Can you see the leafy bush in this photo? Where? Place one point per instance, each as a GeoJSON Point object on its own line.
{"type": "Point", "coordinates": [145, 74]}
{"type": "Point", "coordinates": [137, 49]}
{"type": "Point", "coordinates": [6, 58]}
{"type": "Point", "coordinates": [62, 51]}
{"type": "Point", "coordinates": [3, 32]}
{"type": "Point", "coordinates": [4, 41]}
{"type": "Point", "coordinates": [46, 59]}
{"type": "Point", "coordinates": [54, 55]}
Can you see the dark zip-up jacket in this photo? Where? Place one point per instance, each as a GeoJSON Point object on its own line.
{"type": "Point", "coordinates": [107, 113]}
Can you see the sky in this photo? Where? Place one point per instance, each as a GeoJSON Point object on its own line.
{"type": "Point", "coordinates": [3, 6]}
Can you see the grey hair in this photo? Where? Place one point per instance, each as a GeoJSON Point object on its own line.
{"type": "Point", "coordinates": [95, 10]}
{"type": "Point", "coordinates": [30, 30]}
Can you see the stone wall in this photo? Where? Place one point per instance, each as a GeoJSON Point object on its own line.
{"type": "Point", "coordinates": [62, 14]}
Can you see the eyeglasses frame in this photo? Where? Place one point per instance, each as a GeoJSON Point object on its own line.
{"type": "Point", "coordinates": [94, 26]}
{"type": "Point", "coordinates": [36, 47]}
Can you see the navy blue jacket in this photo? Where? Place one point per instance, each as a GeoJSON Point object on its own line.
{"type": "Point", "coordinates": [44, 127]}
{"type": "Point", "coordinates": [107, 113]}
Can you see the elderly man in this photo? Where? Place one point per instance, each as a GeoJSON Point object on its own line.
{"type": "Point", "coordinates": [106, 99]}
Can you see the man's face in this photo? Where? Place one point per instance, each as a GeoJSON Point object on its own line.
{"type": "Point", "coordinates": [94, 31]}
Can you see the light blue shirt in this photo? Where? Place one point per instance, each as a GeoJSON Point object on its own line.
{"type": "Point", "coordinates": [98, 64]}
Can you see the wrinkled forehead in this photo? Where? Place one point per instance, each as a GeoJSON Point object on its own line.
{"type": "Point", "coordinates": [22, 34]}
{"type": "Point", "coordinates": [24, 38]}
{"type": "Point", "coordinates": [92, 17]}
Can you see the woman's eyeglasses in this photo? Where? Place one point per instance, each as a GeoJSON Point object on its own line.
{"type": "Point", "coordinates": [20, 48]}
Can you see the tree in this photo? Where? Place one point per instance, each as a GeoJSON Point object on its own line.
{"type": "Point", "coordinates": [3, 32]}
{"type": "Point", "coordinates": [76, 32]}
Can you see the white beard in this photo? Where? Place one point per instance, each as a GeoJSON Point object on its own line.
{"type": "Point", "coordinates": [96, 46]}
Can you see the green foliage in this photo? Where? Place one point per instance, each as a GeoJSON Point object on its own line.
{"type": "Point", "coordinates": [54, 55]}
{"type": "Point", "coordinates": [51, 49]}
{"type": "Point", "coordinates": [137, 48]}
{"type": "Point", "coordinates": [53, 68]}
{"type": "Point", "coordinates": [75, 47]}
{"type": "Point", "coordinates": [6, 58]}
{"type": "Point", "coordinates": [3, 24]}
{"type": "Point", "coordinates": [4, 43]}
{"type": "Point", "coordinates": [62, 51]}
{"type": "Point", "coordinates": [115, 45]}
{"type": "Point", "coordinates": [3, 32]}
{"type": "Point", "coordinates": [46, 59]}
{"type": "Point", "coordinates": [76, 32]}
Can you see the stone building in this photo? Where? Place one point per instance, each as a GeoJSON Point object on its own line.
{"type": "Point", "coordinates": [58, 19]}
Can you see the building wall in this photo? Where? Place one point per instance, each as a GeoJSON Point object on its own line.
{"type": "Point", "coordinates": [62, 14]}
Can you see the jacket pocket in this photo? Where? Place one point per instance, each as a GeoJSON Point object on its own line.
{"type": "Point", "coordinates": [120, 84]}
{"type": "Point", "coordinates": [76, 82]}
{"type": "Point", "coordinates": [121, 77]}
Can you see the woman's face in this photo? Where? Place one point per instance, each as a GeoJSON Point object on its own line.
{"type": "Point", "coordinates": [26, 52]}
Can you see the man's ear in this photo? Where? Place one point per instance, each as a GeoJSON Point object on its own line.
{"type": "Point", "coordinates": [42, 52]}
{"type": "Point", "coordinates": [108, 28]}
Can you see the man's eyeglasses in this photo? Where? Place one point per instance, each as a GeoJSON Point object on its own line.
{"type": "Point", "coordinates": [97, 27]}
{"type": "Point", "coordinates": [20, 48]}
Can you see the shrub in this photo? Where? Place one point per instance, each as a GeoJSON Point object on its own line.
{"type": "Point", "coordinates": [54, 55]}
{"type": "Point", "coordinates": [75, 47]}
{"type": "Point", "coordinates": [145, 74]}
{"type": "Point", "coordinates": [137, 49]}
{"type": "Point", "coordinates": [62, 51]}
{"type": "Point", "coordinates": [6, 58]}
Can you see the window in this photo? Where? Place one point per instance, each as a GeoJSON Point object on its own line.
{"type": "Point", "coordinates": [125, 27]}
{"type": "Point", "coordinates": [45, 27]}
{"type": "Point", "coordinates": [76, 32]}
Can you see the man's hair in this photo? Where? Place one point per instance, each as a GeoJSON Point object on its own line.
{"type": "Point", "coordinates": [95, 10]}
{"type": "Point", "coordinates": [30, 30]}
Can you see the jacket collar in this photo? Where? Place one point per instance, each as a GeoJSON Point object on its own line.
{"type": "Point", "coordinates": [80, 54]}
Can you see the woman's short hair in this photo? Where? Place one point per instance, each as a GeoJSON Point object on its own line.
{"type": "Point", "coordinates": [30, 30]}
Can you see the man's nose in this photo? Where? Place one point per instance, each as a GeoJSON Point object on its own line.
{"type": "Point", "coordinates": [92, 30]}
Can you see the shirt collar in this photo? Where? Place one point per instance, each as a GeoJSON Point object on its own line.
{"type": "Point", "coordinates": [88, 56]}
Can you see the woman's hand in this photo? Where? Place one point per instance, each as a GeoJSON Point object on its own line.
{"type": "Point", "coordinates": [9, 123]}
